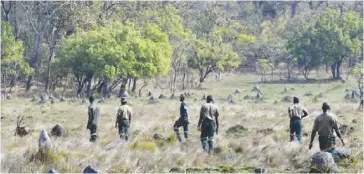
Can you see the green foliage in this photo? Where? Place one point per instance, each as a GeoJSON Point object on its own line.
{"type": "Point", "coordinates": [209, 57]}
{"type": "Point", "coordinates": [117, 51]}
{"type": "Point", "coordinates": [12, 52]}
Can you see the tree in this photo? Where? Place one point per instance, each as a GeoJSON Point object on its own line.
{"type": "Point", "coordinates": [264, 66]}
{"type": "Point", "coordinates": [208, 58]}
{"type": "Point", "coordinates": [304, 48]}
{"type": "Point", "coordinates": [114, 53]}
{"type": "Point", "coordinates": [339, 36]}
{"type": "Point", "coordinates": [358, 72]}
{"type": "Point", "coordinates": [12, 63]}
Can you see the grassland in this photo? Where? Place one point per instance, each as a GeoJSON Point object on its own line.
{"type": "Point", "coordinates": [239, 151]}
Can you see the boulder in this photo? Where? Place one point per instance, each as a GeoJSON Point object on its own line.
{"type": "Point", "coordinates": [161, 96]}
{"type": "Point", "coordinates": [237, 91]}
{"type": "Point", "coordinates": [259, 95]}
{"type": "Point", "coordinates": [57, 130]}
{"type": "Point", "coordinates": [260, 170]}
{"type": "Point", "coordinates": [52, 171]}
{"type": "Point", "coordinates": [323, 162]}
{"type": "Point", "coordinates": [308, 94]}
{"type": "Point", "coordinates": [90, 169]}
{"type": "Point", "coordinates": [287, 99]}
{"type": "Point", "coordinates": [338, 153]}
{"type": "Point", "coordinates": [44, 142]}
{"type": "Point", "coordinates": [347, 96]}
{"type": "Point", "coordinates": [149, 94]}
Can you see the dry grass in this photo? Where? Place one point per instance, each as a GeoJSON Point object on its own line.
{"type": "Point", "coordinates": [239, 152]}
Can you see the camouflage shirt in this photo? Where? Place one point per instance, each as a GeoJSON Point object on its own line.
{"type": "Point", "coordinates": [93, 114]}
{"type": "Point", "coordinates": [124, 112]}
{"type": "Point", "coordinates": [324, 124]}
{"type": "Point", "coordinates": [209, 111]}
{"type": "Point", "coordinates": [183, 111]}
{"type": "Point", "coordinates": [296, 110]}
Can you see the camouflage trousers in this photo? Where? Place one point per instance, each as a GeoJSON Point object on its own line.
{"type": "Point", "coordinates": [181, 123]}
{"type": "Point", "coordinates": [93, 130]}
{"type": "Point", "coordinates": [124, 129]}
{"type": "Point", "coordinates": [208, 129]}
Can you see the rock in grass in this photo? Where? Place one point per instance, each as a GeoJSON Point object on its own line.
{"type": "Point", "coordinates": [8, 97]}
{"type": "Point", "coordinates": [260, 170]}
{"type": "Point", "coordinates": [44, 142]}
{"type": "Point", "coordinates": [90, 169]}
{"type": "Point", "coordinates": [52, 171]}
{"type": "Point", "coordinates": [323, 162]}
{"type": "Point", "coordinates": [161, 96]}
{"type": "Point", "coordinates": [237, 91]}
{"type": "Point", "coordinates": [338, 153]}
{"type": "Point", "coordinates": [57, 130]}
{"type": "Point", "coordinates": [238, 129]}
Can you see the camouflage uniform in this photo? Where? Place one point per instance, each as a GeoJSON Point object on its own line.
{"type": "Point", "coordinates": [182, 121]}
{"type": "Point", "coordinates": [324, 125]}
{"type": "Point", "coordinates": [296, 113]}
{"type": "Point", "coordinates": [208, 115]}
{"type": "Point", "coordinates": [93, 117]}
{"type": "Point", "coordinates": [123, 122]}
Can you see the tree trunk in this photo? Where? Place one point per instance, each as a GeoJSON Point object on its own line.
{"type": "Point", "coordinates": [174, 82]}
{"type": "Point", "coordinates": [134, 84]}
{"type": "Point", "coordinates": [123, 86]}
{"type": "Point", "coordinates": [338, 68]}
{"type": "Point", "coordinates": [129, 83]}
{"type": "Point", "coordinates": [88, 89]}
{"type": "Point", "coordinates": [333, 70]}
{"type": "Point", "coordinates": [5, 81]}
{"type": "Point", "coordinates": [183, 80]}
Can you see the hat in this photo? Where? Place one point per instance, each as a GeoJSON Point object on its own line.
{"type": "Point", "coordinates": [325, 105]}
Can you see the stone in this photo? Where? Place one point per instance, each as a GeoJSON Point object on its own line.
{"type": "Point", "coordinates": [292, 89]}
{"type": "Point", "coordinates": [8, 97]}
{"type": "Point", "coordinates": [90, 169]}
{"type": "Point", "coordinates": [52, 171]}
{"type": "Point", "coordinates": [161, 96]}
{"type": "Point", "coordinates": [52, 101]}
{"type": "Point", "coordinates": [354, 121]}
{"type": "Point", "coordinates": [323, 162]}
{"type": "Point", "coordinates": [260, 170]}
{"type": "Point", "coordinates": [237, 91]}
{"type": "Point", "coordinates": [57, 130]}
{"type": "Point", "coordinates": [172, 96]}
{"type": "Point", "coordinates": [287, 99]}
{"type": "Point", "coordinates": [44, 142]}
{"type": "Point", "coordinates": [347, 96]}
{"type": "Point", "coordinates": [259, 95]}
{"type": "Point", "coordinates": [347, 90]}
{"type": "Point", "coordinates": [230, 98]}
{"type": "Point", "coordinates": [152, 98]}
{"type": "Point", "coordinates": [338, 153]}
{"type": "Point", "coordinates": [149, 94]}
{"type": "Point", "coordinates": [285, 89]}
{"type": "Point", "coordinates": [308, 94]}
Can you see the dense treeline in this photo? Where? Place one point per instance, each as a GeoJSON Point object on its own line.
{"type": "Point", "coordinates": [97, 46]}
